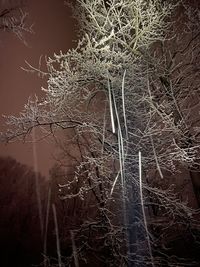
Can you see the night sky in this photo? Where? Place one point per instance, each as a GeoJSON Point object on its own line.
{"type": "Point", "coordinates": [53, 31]}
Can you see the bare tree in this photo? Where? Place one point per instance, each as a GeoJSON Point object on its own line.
{"type": "Point", "coordinates": [120, 96]}
{"type": "Point", "coordinates": [13, 18]}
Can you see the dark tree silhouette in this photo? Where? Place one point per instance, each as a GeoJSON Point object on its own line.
{"type": "Point", "coordinates": [20, 233]}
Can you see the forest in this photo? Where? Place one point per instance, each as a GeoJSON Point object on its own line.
{"type": "Point", "coordinates": [122, 108]}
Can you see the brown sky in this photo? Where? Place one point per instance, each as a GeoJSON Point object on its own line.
{"type": "Point", "coordinates": [54, 31]}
